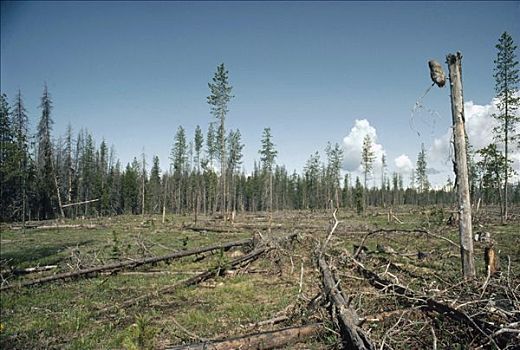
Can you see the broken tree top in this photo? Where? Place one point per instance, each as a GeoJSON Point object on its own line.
{"type": "Point", "coordinates": [436, 73]}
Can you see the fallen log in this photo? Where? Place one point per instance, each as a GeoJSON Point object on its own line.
{"type": "Point", "coordinates": [353, 336]}
{"type": "Point", "coordinates": [213, 272]}
{"type": "Point", "coordinates": [125, 265]}
{"type": "Point", "coordinates": [264, 340]}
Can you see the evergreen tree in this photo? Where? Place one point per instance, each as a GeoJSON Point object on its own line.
{"type": "Point", "coordinates": [383, 179]}
{"type": "Point", "coordinates": [312, 179]}
{"type": "Point", "coordinates": [198, 142]}
{"type": "Point", "coordinates": [8, 163]}
{"type": "Point", "coordinates": [211, 145]}
{"type": "Point", "coordinates": [421, 176]}
{"type": "Point", "coordinates": [358, 196]}
{"type": "Point", "coordinates": [218, 100]}
{"type": "Point", "coordinates": [367, 162]}
{"type": "Point", "coordinates": [267, 157]}
{"type": "Point", "coordinates": [21, 136]}
{"type": "Point", "coordinates": [179, 158]}
{"type": "Point", "coordinates": [235, 147]}
{"type": "Point", "coordinates": [492, 169]}
{"type": "Point", "coordinates": [506, 87]}
{"type": "Point", "coordinates": [333, 171]}
{"type": "Point", "coordinates": [154, 186]}
{"type": "Point", "coordinates": [46, 186]}
{"type": "Point", "coordinates": [130, 188]}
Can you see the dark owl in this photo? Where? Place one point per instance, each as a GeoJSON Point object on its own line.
{"type": "Point", "coordinates": [436, 73]}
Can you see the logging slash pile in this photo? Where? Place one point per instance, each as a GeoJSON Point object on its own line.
{"type": "Point", "coordinates": [308, 280]}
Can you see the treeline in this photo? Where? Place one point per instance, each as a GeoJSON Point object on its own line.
{"type": "Point", "coordinates": [71, 176]}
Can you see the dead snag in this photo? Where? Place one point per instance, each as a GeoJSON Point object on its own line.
{"type": "Point", "coordinates": [125, 265]}
{"type": "Point", "coordinates": [264, 340]}
{"type": "Point", "coordinates": [353, 336]}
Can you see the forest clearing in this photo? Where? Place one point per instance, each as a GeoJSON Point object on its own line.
{"type": "Point", "coordinates": [288, 175]}
{"type": "Point", "coordinates": [400, 268]}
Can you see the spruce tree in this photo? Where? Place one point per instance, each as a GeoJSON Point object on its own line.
{"type": "Point", "coordinates": [506, 88]}
{"type": "Point", "coordinates": [44, 158]}
{"type": "Point", "coordinates": [8, 163]}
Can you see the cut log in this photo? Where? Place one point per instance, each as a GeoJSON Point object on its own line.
{"type": "Point", "coordinates": [353, 336]}
{"type": "Point", "coordinates": [125, 265]}
{"type": "Point", "coordinates": [264, 340]}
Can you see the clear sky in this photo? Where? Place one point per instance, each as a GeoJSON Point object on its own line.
{"type": "Point", "coordinates": [132, 72]}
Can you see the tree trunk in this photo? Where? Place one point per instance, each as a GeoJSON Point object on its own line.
{"type": "Point", "coordinates": [265, 340]}
{"type": "Point", "coordinates": [464, 202]}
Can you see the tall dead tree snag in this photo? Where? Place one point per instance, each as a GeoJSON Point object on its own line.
{"type": "Point", "coordinates": [461, 165]}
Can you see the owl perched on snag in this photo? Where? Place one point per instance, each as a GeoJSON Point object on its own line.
{"type": "Point", "coordinates": [436, 73]}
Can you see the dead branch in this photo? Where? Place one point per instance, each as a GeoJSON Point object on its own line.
{"type": "Point", "coordinates": [353, 336]}
{"type": "Point", "coordinates": [263, 340]}
{"type": "Point", "coordinates": [30, 270]}
{"type": "Point", "coordinates": [428, 303]}
{"type": "Point", "coordinates": [124, 265]}
{"type": "Point", "coordinates": [79, 203]}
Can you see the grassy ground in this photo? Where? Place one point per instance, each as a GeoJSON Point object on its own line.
{"type": "Point", "coordinates": [65, 314]}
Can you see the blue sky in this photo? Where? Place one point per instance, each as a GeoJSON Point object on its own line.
{"type": "Point", "coordinates": [132, 72]}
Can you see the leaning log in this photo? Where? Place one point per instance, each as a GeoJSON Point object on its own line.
{"type": "Point", "coordinates": [353, 336]}
{"type": "Point", "coordinates": [125, 265]}
{"type": "Point", "coordinates": [264, 340]}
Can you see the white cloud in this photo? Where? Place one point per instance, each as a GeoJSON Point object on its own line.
{"type": "Point", "coordinates": [353, 144]}
{"type": "Point", "coordinates": [403, 164]}
{"type": "Point", "coordinates": [479, 127]}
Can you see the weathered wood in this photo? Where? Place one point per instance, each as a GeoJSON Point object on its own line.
{"type": "Point", "coordinates": [461, 165]}
{"type": "Point", "coordinates": [353, 336]}
{"type": "Point", "coordinates": [264, 340]}
{"type": "Point", "coordinates": [30, 270]}
{"type": "Point", "coordinates": [79, 203]}
{"type": "Point", "coordinates": [125, 265]}
{"type": "Point", "coordinates": [240, 261]}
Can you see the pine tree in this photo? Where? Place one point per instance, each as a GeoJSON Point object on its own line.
{"type": "Point", "coordinates": [333, 171]}
{"type": "Point", "coordinates": [154, 186]}
{"type": "Point", "coordinates": [267, 157]}
{"type": "Point", "coordinates": [235, 147]}
{"type": "Point", "coordinates": [506, 87]}
{"type": "Point", "coordinates": [367, 162]}
{"type": "Point", "coordinates": [179, 159]}
{"type": "Point", "coordinates": [312, 181]}
{"type": "Point", "coordinates": [218, 100]}
{"type": "Point", "coordinates": [421, 174]}
{"type": "Point", "coordinates": [198, 142]}
{"type": "Point", "coordinates": [358, 196]}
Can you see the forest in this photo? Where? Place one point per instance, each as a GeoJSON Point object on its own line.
{"type": "Point", "coordinates": [193, 252]}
